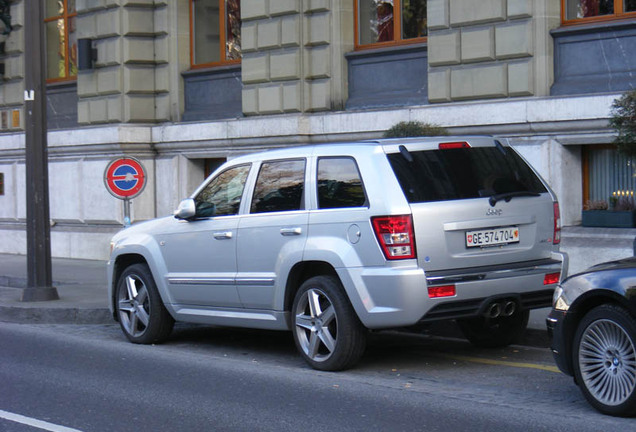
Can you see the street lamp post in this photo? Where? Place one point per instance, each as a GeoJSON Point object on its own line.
{"type": "Point", "coordinates": [39, 275]}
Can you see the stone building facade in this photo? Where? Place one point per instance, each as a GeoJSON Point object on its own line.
{"type": "Point", "coordinates": [530, 71]}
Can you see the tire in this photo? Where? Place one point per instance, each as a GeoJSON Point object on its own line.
{"type": "Point", "coordinates": [604, 358]}
{"type": "Point", "coordinates": [327, 331]}
{"type": "Point", "coordinates": [142, 316]}
{"type": "Point", "coordinates": [497, 332]}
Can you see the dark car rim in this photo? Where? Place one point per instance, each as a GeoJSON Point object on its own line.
{"type": "Point", "coordinates": [607, 360]}
{"type": "Point", "coordinates": [134, 306]}
{"type": "Point", "coordinates": [316, 325]}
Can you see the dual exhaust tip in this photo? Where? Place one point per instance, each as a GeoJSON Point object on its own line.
{"type": "Point", "coordinates": [504, 308]}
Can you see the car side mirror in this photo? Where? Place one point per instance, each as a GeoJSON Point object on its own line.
{"type": "Point", "coordinates": [186, 209]}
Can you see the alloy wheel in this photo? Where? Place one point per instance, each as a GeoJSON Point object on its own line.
{"type": "Point", "coordinates": [607, 361]}
{"type": "Point", "coordinates": [134, 306]}
{"type": "Point", "coordinates": [316, 325]}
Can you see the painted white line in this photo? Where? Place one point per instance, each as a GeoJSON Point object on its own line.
{"type": "Point", "coordinates": [17, 418]}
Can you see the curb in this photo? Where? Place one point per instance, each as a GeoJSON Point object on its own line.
{"type": "Point", "coordinates": [40, 315]}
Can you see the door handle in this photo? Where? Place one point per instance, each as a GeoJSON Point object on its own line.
{"type": "Point", "coordinates": [224, 235]}
{"type": "Point", "coordinates": [291, 231]}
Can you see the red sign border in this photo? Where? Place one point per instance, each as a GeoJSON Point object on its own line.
{"type": "Point", "coordinates": [116, 163]}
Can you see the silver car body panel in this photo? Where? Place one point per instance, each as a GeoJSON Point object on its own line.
{"type": "Point", "coordinates": [233, 270]}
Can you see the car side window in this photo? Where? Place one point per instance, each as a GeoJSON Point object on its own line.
{"type": "Point", "coordinates": [279, 187]}
{"type": "Point", "coordinates": [222, 196]}
{"type": "Point", "coordinates": [339, 183]}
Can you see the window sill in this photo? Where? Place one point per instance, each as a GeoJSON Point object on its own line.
{"type": "Point", "coordinates": [61, 84]}
{"type": "Point", "coordinates": [212, 70]}
{"type": "Point", "coordinates": [370, 52]}
{"type": "Point", "coordinates": [590, 27]}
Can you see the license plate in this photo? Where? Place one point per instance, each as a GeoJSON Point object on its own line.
{"type": "Point", "coordinates": [492, 237]}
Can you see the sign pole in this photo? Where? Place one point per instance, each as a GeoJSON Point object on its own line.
{"type": "Point", "coordinates": [39, 274]}
{"type": "Point", "coordinates": [127, 212]}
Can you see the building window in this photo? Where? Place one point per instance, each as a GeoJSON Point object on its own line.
{"type": "Point", "coordinates": [1, 183]}
{"type": "Point", "coordinates": [577, 11]}
{"type": "Point", "coordinates": [215, 32]}
{"type": "Point", "coordinates": [607, 175]}
{"type": "Point", "coordinates": [61, 40]}
{"type": "Point", "coordinates": [389, 22]}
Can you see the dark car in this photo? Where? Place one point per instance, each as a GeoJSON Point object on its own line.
{"type": "Point", "coordinates": [592, 327]}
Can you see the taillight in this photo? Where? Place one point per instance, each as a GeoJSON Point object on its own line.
{"type": "Point", "coordinates": [551, 278]}
{"type": "Point", "coordinates": [441, 291]}
{"type": "Point", "coordinates": [395, 234]}
{"type": "Point", "coordinates": [453, 145]}
{"type": "Point", "coordinates": [556, 238]}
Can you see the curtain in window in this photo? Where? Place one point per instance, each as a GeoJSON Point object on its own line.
{"type": "Point", "coordinates": [610, 175]}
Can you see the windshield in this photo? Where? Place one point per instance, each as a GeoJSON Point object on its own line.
{"type": "Point", "coordinates": [463, 173]}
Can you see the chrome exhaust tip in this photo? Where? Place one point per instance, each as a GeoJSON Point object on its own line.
{"type": "Point", "coordinates": [509, 308]}
{"type": "Point", "coordinates": [493, 311]}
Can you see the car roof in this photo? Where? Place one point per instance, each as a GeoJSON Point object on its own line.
{"type": "Point", "coordinates": [389, 145]}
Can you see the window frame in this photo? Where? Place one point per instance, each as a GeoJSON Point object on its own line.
{"type": "Point", "coordinates": [618, 6]}
{"type": "Point", "coordinates": [66, 17]}
{"type": "Point", "coordinates": [222, 40]}
{"type": "Point", "coordinates": [397, 30]}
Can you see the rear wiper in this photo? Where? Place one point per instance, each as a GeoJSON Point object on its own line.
{"type": "Point", "coordinates": [406, 154]}
{"type": "Point", "coordinates": [507, 196]}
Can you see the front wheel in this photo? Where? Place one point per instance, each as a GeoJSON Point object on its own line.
{"type": "Point", "coordinates": [604, 358]}
{"type": "Point", "coordinates": [326, 329]}
{"type": "Point", "coordinates": [496, 332]}
{"type": "Point", "coordinates": [141, 313]}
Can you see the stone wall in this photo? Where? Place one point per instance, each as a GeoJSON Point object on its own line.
{"type": "Point", "coordinates": [130, 79]}
{"type": "Point", "coordinates": [12, 81]}
{"type": "Point", "coordinates": [499, 49]}
{"type": "Point", "coordinates": [593, 59]}
{"type": "Point", "coordinates": [293, 55]}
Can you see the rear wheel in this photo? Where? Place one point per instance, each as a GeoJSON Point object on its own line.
{"type": "Point", "coordinates": [604, 358]}
{"type": "Point", "coordinates": [327, 331]}
{"type": "Point", "coordinates": [142, 315]}
{"type": "Point", "coordinates": [496, 332]}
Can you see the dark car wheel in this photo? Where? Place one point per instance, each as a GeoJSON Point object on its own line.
{"type": "Point", "coordinates": [495, 332]}
{"type": "Point", "coordinates": [327, 331]}
{"type": "Point", "coordinates": [605, 360]}
{"type": "Point", "coordinates": [142, 315]}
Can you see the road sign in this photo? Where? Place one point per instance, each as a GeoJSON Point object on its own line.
{"type": "Point", "coordinates": [125, 177]}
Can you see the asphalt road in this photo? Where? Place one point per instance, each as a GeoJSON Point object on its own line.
{"type": "Point", "coordinates": [89, 379]}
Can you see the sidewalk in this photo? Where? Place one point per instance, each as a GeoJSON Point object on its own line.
{"type": "Point", "coordinates": [81, 286]}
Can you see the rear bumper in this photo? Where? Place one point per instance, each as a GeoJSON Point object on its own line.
{"type": "Point", "coordinates": [478, 287]}
{"type": "Point", "coordinates": [503, 271]}
{"type": "Point", "coordinates": [398, 296]}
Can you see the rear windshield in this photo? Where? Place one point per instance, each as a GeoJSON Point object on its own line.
{"type": "Point", "coordinates": [452, 174]}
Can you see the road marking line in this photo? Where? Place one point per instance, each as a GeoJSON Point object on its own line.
{"type": "Point", "coordinates": [502, 363]}
{"type": "Point", "coordinates": [17, 418]}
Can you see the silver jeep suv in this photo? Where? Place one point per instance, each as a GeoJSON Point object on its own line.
{"type": "Point", "coordinates": [331, 240]}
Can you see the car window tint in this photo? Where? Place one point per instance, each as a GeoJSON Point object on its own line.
{"type": "Point", "coordinates": [222, 196]}
{"type": "Point", "coordinates": [279, 187]}
{"type": "Point", "coordinates": [451, 174]}
{"type": "Point", "coordinates": [339, 183]}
